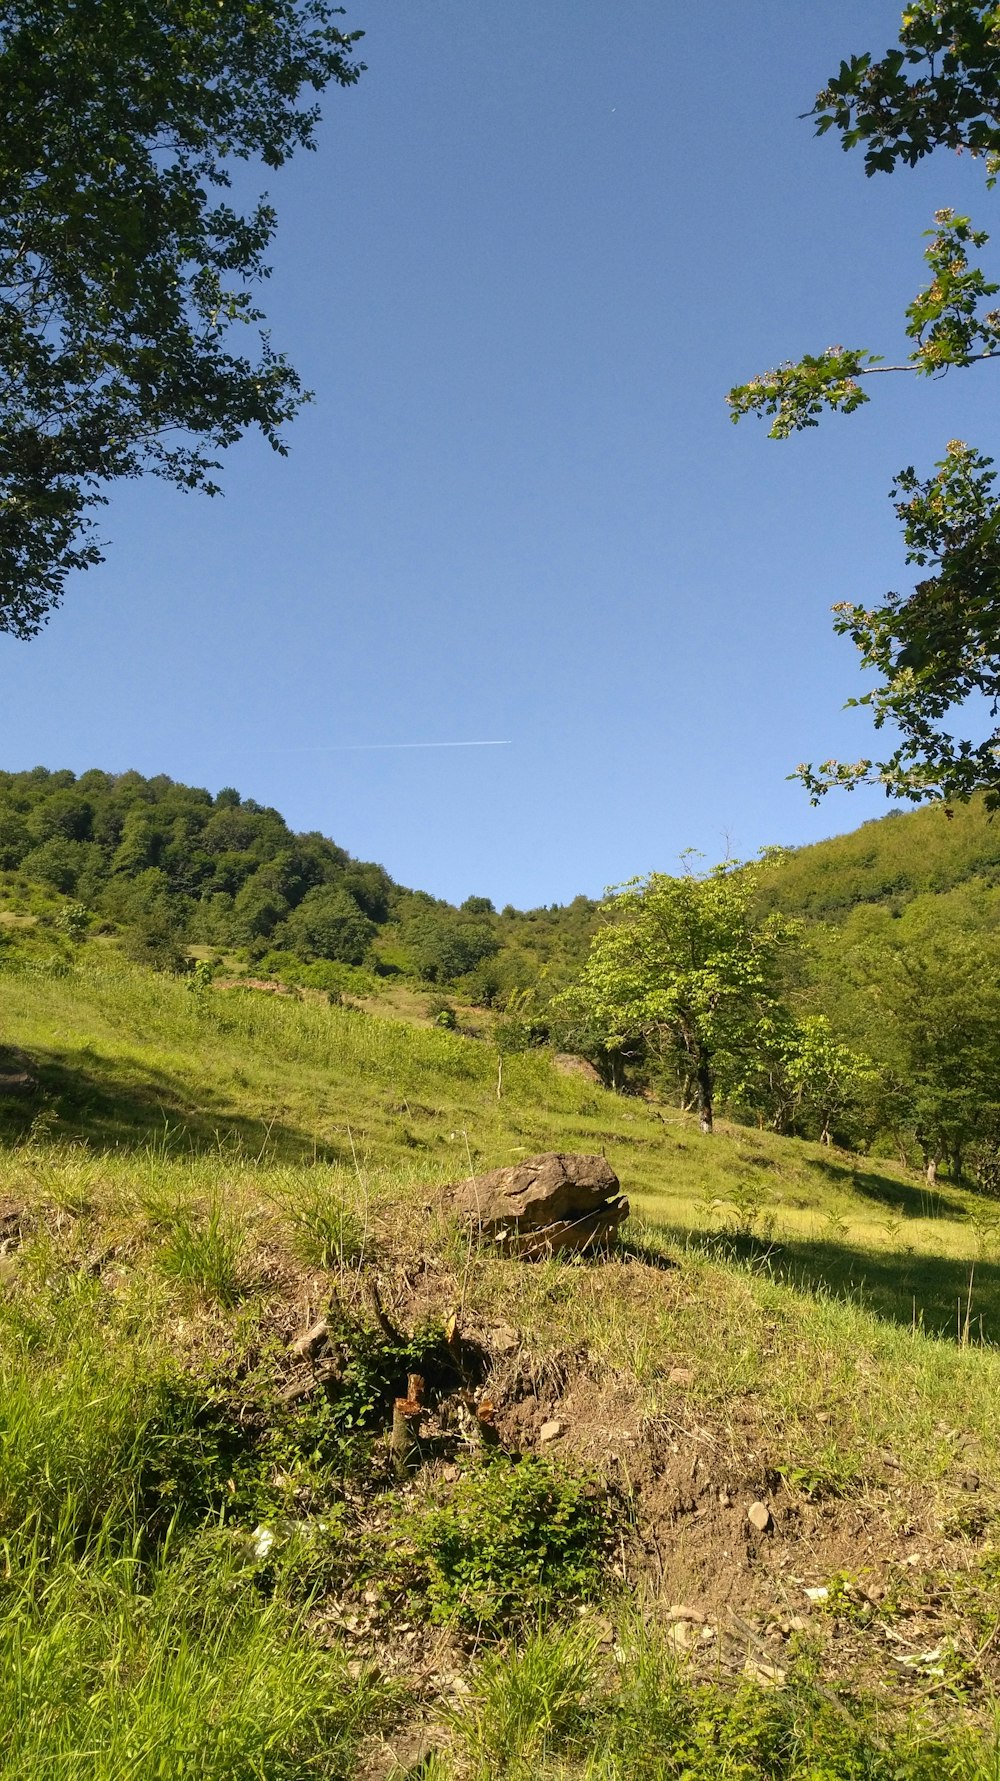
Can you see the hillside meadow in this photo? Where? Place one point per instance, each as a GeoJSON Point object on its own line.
{"type": "Point", "coordinates": [210, 1567]}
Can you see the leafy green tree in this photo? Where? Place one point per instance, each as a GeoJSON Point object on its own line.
{"type": "Point", "coordinates": [444, 945]}
{"type": "Point", "coordinates": [935, 650]}
{"type": "Point", "coordinates": [327, 925]}
{"type": "Point", "coordinates": [688, 965]}
{"type": "Point", "coordinates": [922, 995]}
{"type": "Point", "coordinates": [828, 1080]}
{"type": "Point", "coordinates": [125, 269]}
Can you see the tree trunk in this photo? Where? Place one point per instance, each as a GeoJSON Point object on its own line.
{"type": "Point", "coordinates": [703, 1080]}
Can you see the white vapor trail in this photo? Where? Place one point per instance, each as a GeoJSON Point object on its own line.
{"type": "Point", "coordinates": [358, 747]}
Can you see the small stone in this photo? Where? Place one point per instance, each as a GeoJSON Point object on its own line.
{"type": "Point", "coordinates": [759, 1517]}
{"type": "Point", "coordinates": [725, 1500]}
{"type": "Point", "coordinates": [550, 1431]}
{"type": "Point", "coordinates": [819, 1594]}
{"type": "Point", "coordinates": [796, 1624]}
{"type": "Point", "coordinates": [768, 1675]}
{"type": "Point", "coordinates": [681, 1376]}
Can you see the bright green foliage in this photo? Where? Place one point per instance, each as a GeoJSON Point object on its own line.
{"type": "Point", "coordinates": [444, 945]}
{"type": "Point", "coordinates": [688, 965]}
{"type": "Point", "coordinates": [940, 88]}
{"type": "Point", "coordinates": [328, 925]}
{"type": "Point", "coordinates": [123, 267]}
{"type": "Point", "coordinates": [171, 865]}
{"type": "Point", "coordinates": [936, 649]}
{"type": "Point", "coordinates": [511, 1542]}
{"type": "Point", "coordinates": [924, 1001]}
{"type": "Point", "coordinates": [944, 321]}
{"type": "Point", "coordinates": [891, 861]}
{"type": "Point", "coordinates": [938, 646]}
{"type": "Point", "coordinates": [826, 1078]}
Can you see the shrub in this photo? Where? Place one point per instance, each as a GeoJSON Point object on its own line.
{"type": "Point", "coordinates": [512, 1542]}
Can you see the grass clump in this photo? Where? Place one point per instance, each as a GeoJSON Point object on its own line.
{"type": "Point", "coordinates": [327, 1232]}
{"type": "Point", "coordinates": [168, 1673]}
{"type": "Point", "coordinates": [512, 1542]}
{"type": "Point", "coordinates": [558, 1709]}
{"type": "Point", "coordinates": [207, 1253]}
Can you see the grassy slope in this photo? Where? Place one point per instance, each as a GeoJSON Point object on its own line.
{"type": "Point", "coordinates": [814, 1344]}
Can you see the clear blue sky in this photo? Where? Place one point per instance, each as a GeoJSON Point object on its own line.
{"type": "Point", "coordinates": [537, 245]}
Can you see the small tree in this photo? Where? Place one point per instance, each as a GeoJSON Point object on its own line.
{"type": "Point", "coordinates": [687, 964]}
{"type": "Point", "coordinates": [827, 1078]}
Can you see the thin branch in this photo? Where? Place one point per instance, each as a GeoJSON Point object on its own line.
{"type": "Point", "coordinates": [879, 370]}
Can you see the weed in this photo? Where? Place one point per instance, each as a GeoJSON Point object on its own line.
{"type": "Point", "coordinates": [832, 1472]}
{"type": "Point", "coordinates": [209, 1254]}
{"type": "Point", "coordinates": [326, 1231]}
{"type": "Point", "coordinates": [512, 1542]}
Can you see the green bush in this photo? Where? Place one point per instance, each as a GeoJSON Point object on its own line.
{"type": "Point", "coordinates": [512, 1542]}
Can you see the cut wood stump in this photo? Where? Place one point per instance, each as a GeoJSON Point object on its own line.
{"type": "Point", "coordinates": [404, 1440]}
{"type": "Point", "coordinates": [543, 1205]}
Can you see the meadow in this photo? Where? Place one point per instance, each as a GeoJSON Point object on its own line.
{"type": "Point", "coordinates": [209, 1567]}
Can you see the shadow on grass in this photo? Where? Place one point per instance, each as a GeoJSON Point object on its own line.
{"type": "Point", "coordinates": [910, 1199]}
{"type": "Point", "coordinates": [119, 1104]}
{"type": "Point", "coordinates": [927, 1292]}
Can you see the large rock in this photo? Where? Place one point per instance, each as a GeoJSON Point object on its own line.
{"type": "Point", "coordinates": [542, 1205]}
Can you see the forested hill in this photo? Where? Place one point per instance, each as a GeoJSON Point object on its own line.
{"type": "Point", "coordinates": [891, 860]}
{"type": "Point", "coordinates": [173, 867]}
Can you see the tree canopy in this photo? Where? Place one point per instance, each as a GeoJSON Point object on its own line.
{"type": "Point", "coordinates": [935, 650]}
{"type": "Point", "coordinates": [125, 269]}
{"type": "Point", "coordinates": [689, 965]}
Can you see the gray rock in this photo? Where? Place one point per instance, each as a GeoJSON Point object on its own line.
{"type": "Point", "coordinates": [544, 1204]}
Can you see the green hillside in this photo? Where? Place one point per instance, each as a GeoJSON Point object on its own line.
{"type": "Point", "coordinates": [891, 860]}
{"type": "Point", "coordinates": [211, 1569]}
{"type": "Point", "coordinates": [885, 1033]}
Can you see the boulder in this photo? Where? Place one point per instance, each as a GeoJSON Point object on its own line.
{"type": "Point", "coordinates": [544, 1204]}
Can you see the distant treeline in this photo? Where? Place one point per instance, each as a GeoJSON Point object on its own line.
{"type": "Point", "coordinates": [884, 1029]}
{"type": "Point", "coordinates": [173, 866]}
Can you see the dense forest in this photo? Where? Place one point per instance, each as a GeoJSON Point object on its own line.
{"type": "Point", "coordinates": [876, 1020]}
{"type": "Point", "coordinates": [172, 867]}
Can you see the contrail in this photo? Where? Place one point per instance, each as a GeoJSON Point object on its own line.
{"type": "Point", "coordinates": [356, 747]}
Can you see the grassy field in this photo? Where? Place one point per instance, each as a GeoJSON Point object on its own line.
{"type": "Point", "coordinates": [209, 1567]}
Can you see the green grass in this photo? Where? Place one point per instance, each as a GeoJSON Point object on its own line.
{"type": "Point", "coordinates": [114, 1669]}
{"type": "Point", "coordinates": [559, 1708]}
{"type": "Point", "coordinates": [201, 1176]}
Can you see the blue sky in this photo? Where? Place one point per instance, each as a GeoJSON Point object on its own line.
{"type": "Point", "coordinates": [535, 248]}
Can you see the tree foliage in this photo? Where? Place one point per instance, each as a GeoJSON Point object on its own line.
{"type": "Point", "coordinates": [689, 965]}
{"type": "Point", "coordinates": [936, 650]}
{"type": "Point", "coordinates": [125, 270]}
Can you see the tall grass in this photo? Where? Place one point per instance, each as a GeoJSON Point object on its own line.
{"type": "Point", "coordinates": [115, 1671]}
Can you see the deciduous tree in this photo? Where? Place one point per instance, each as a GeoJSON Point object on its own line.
{"type": "Point", "coordinates": [126, 270]}
{"type": "Point", "coordinates": [935, 650]}
{"type": "Point", "coordinates": [689, 965]}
